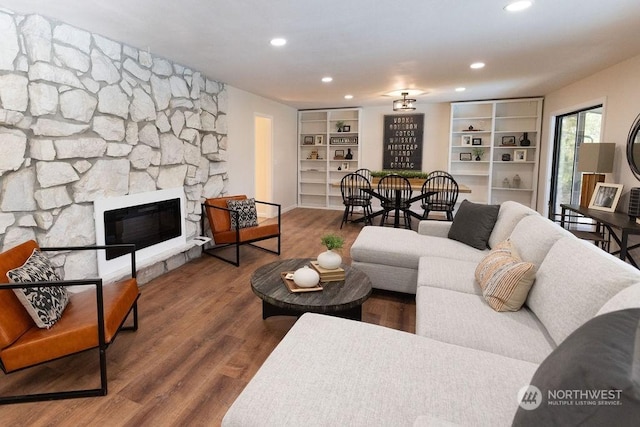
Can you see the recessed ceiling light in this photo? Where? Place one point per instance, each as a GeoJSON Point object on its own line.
{"type": "Point", "coordinates": [477, 65]}
{"type": "Point", "coordinates": [348, 97]}
{"type": "Point", "coordinates": [517, 6]}
{"type": "Point", "coordinates": [327, 79]}
{"type": "Point", "coordinates": [461, 89]}
{"type": "Point", "coordinates": [278, 41]}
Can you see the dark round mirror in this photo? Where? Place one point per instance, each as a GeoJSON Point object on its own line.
{"type": "Point", "coordinates": [633, 148]}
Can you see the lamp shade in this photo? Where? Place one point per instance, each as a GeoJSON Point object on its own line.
{"type": "Point", "coordinates": [596, 157]}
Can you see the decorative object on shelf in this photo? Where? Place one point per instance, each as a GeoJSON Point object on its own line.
{"type": "Point", "coordinates": [506, 157]}
{"type": "Point", "coordinates": [330, 259]}
{"type": "Point", "coordinates": [346, 128]}
{"type": "Point", "coordinates": [337, 140]}
{"type": "Point", "coordinates": [465, 140]}
{"type": "Point", "coordinates": [306, 277]}
{"type": "Point", "coordinates": [516, 181]}
{"type": "Point", "coordinates": [339, 125]}
{"type": "Point", "coordinates": [465, 157]}
{"type": "Point", "coordinates": [478, 153]}
{"type": "Point", "coordinates": [476, 141]}
{"type": "Point", "coordinates": [524, 140]}
{"type": "Point", "coordinates": [313, 155]}
{"type": "Point", "coordinates": [506, 183]}
{"type": "Point", "coordinates": [508, 141]}
{"type": "Point", "coordinates": [345, 166]}
{"type": "Point", "coordinates": [349, 154]}
{"type": "Point", "coordinates": [404, 104]}
{"type": "Point", "coordinates": [308, 140]}
{"type": "Point", "coordinates": [605, 197]}
{"type": "Point", "coordinates": [470, 128]}
{"type": "Point", "coordinates": [596, 159]}
{"type": "Point", "coordinates": [338, 155]}
{"type": "Point", "coordinates": [519, 155]}
{"type": "Point", "coordinates": [319, 139]}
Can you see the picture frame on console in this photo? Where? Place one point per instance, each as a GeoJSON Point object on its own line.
{"type": "Point", "coordinates": [605, 197]}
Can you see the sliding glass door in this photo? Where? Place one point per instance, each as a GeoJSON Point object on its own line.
{"type": "Point", "coordinates": [572, 130]}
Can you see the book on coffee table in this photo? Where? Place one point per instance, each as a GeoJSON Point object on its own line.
{"type": "Point", "coordinates": [327, 275]}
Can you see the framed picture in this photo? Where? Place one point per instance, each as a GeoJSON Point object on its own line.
{"type": "Point", "coordinates": [508, 140]}
{"type": "Point", "coordinates": [519, 155]}
{"type": "Point", "coordinates": [346, 128]}
{"type": "Point", "coordinates": [465, 141]}
{"type": "Point", "coordinates": [308, 140]}
{"type": "Point", "coordinates": [345, 166]}
{"type": "Point", "coordinates": [605, 197]}
{"type": "Point", "coordinates": [476, 141]}
{"type": "Point", "coordinates": [338, 155]}
{"type": "Point", "coordinates": [319, 139]}
{"type": "Point", "coordinates": [465, 157]}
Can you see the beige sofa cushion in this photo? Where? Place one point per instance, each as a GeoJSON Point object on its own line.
{"type": "Point", "coordinates": [626, 298]}
{"type": "Point", "coordinates": [467, 320]}
{"type": "Point", "coordinates": [574, 281]}
{"type": "Point", "coordinates": [447, 273]}
{"type": "Point", "coordinates": [509, 215]}
{"type": "Point", "coordinates": [534, 235]}
{"type": "Point", "coordinates": [336, 372]}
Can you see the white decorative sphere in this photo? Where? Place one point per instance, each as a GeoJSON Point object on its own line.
{"type": "Point", "coordinates": [306, 277]}
{"type": "Point", "coordinates": [330, 260]}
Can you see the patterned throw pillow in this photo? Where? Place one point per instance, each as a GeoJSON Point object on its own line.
{"type": "Point", "coordinates": [248, 217]}
{"type": "Point", "coordinates": [44, 305]}
{"type": "Point", "coordinates": [504, 278]}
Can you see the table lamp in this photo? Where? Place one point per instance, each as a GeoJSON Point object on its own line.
{"type": "Point", "coordinates": [595, 159]}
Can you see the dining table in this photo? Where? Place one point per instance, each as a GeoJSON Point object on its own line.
{"type": "Point", "coordinates": [397, 201]}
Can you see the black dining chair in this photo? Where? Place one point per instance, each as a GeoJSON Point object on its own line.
{"type": "Point", "coordinates": [364, 172]}
{"type": "Point", "coordinates": [396, 192]}
{"type": "Point", "coordinates": [439, 194]}
{"type": "Point", "coordinates": [352, 187]}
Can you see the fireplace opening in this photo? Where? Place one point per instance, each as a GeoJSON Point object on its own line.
{"type": "Point", "coordinates": [143, 225]}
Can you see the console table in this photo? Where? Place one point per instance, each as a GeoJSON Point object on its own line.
{"type": "Point", "coordinates": [619, 225]}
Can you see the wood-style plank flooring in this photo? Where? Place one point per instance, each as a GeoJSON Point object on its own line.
{"type": "Point", "coordinates": [200, 341]}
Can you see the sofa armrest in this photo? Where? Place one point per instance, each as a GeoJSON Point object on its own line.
{"type": "Point", "coordinates": [434, 228]}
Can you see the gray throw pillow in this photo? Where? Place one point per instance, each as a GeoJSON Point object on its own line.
{"type": "Point", "coordinates": [589, 379]}
{"type": "Point", "coordinates": [473, 224]}
{"type": "Point", "coordinates": [44, 305]}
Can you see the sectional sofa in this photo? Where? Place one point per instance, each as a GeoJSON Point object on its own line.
{"type": "Point", "coordinates": [466, 363]}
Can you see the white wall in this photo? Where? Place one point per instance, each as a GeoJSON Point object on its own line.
{"type": "Point", "coordinates": [435, 141]}
{"type": "Point", "coordinates": [619, 88]}
{"type": "Point", "coordinates": [240, 162]}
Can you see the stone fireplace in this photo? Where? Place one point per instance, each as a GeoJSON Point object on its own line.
{"type": "Point", "coordinates": [85, 118]}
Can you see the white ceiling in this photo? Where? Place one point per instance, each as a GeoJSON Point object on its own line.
{"type": "Point", "coordinates": [369, 47]}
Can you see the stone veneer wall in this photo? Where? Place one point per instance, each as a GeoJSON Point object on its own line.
{"type": "Point", "coordinates": [83, 117]}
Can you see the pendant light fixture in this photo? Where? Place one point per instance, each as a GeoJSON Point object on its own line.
{"type": "Point", "coordinates": [404, 104]}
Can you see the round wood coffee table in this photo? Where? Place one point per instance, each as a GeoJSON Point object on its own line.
{"type": "Point", "coordinates": [341, 299]}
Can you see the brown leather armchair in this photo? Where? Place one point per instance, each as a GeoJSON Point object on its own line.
{"type": "Point", "coordinates": [217, 213]}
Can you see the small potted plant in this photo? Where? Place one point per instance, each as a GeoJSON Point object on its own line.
{"type": "Point", "coordinates": [478, 153]}
{"type": "Point", "coordinates": [339, 125]}
{"type": "Point", "coordinates": [330, 259]}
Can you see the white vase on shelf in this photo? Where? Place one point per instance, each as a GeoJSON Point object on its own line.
{"type": "Point", "coordinates": [330, 260]}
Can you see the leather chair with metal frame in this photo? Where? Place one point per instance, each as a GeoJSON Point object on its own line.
{"type": "Point", "coordinates": [91, 320]}
{"type": "Point", "coordinates": [351, 188]}
{"type": "Point", "coordinates": [440, 194]}
{"type": "Point", "coordinates": [219, 219]}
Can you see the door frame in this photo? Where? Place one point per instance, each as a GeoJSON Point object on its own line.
{"type": "Point", "coordinates": [553, 124]}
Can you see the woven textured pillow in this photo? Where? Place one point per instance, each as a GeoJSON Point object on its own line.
{"type": "Point", "coordinates": [44, 305]}
{"type": "Point", "coordinates": [248, 216]}
{"type": "Point", "coordinates": [504, 278]}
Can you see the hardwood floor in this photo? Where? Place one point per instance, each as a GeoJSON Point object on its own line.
{"type": "Point", "coordinates": [200, 341]}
